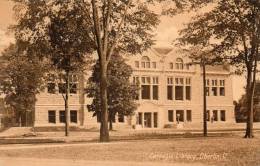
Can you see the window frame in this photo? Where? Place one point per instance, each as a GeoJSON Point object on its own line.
{"type": "Point", "coordinates": [52, 116]}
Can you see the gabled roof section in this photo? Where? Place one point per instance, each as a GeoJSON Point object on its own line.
{"type": "Point", "coordinates": [163, 50]}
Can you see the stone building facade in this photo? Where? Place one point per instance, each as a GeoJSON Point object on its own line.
{"type": "Point", "coordinates": [171, 93]}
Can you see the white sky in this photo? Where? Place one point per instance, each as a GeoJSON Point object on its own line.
{"type": "Point", "coordinates": [166, 33]}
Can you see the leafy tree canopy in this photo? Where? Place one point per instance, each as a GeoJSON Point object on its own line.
{"type": "Point", "coordinates": [121, 92]}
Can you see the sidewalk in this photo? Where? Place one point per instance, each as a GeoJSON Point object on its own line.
{"type": "Point", "coordinates": [123, 134]}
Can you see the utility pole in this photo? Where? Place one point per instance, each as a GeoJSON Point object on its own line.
{"type": "Point", "coordinates": [205, 130]}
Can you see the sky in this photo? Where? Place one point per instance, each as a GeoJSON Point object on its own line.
{"type": "Point", "coordinates": [167, 31]}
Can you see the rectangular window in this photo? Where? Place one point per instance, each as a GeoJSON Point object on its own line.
{"type": "Point", "coordinates": [171, 65]}
{"type": "Point", "coordinates": [170, 115]}
{"type": "Point", "coordinates": [188, 93]}
{"type": "Point", "coordinates": [140, 118]}
{"type": "Point", "coordinates": [62, 117]}
{"type": "Point", "coordinates": [155, 92]}
{"type": "Point", "coordinates": [143, 64]}
{"type": "Point", "coordinates": [215, 115]}
{"type": "Point", "coordinates": [178, 92]}
{"type": "Point", "coordinates": [207, 91]}
{"type": "Point", "coordinates": [51, 87]}
{"type": "Point", "coordinates": [214, 91]}
{"type": "Point", "coordinates": [121, 118]}
{"type": "Point", "coordinates": [208, 115]}
{"type": "Point", "coordinates": [223, 115]}
{"type": "Point", "coordinates": [62, 88]}
{"type": "Point", "coordinates": [52, 116]}
{"type": "Point", "coordinates": [154, 65]}
{"type": "Point", "coordinates": [188, 115]}
{"type": "Point", "coordinates": [73, 116]}
{"type": "Point", "coordinates": [222, 91]}
{"type": "Point", "coordinates": [179, 115]}
{"type": "Point", "coordinates": [73, 88]}
{"type": "Point", "coordinates": [170, 92]}
{"type": "Point", "coordinates": [155, 119]}
{"type": "Point", "coordinates": [147, 65]}
{"type": "Point", "coordinates": [137, 64]}
{"type": "Point", "coordinates": [145, 91]}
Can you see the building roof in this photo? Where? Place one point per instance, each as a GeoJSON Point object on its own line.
{"type": "Point", "coordinates": [163, 50]}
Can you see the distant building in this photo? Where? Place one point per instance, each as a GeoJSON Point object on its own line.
{"type": "Point", "coordinates": [171, 92]}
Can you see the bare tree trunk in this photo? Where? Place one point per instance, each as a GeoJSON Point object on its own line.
{"type": "Point", "coordinates": [205, 130]}
{"type": "Point", "coordinates": [111, 121]}
{"type": "Point", "coordinates": [104, 132]}
{"type": "Point", "coordinates": [67, 121]}
{"type": "Point", "coordinates": [249, 123]}
{"type": "Point", "coordinates": [110, 124]}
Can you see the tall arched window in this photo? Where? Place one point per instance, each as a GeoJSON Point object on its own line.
{"type": "Point", "coordinates": [179, 64]}
{"type": "Point", "coordinates": [145, 62]}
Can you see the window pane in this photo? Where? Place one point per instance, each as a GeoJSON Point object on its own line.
{"type": "Point", "coordinates": [52, 116]}
{"type": "Point", "coordinates": [188, 93]}
{"type": "Point", "coordinates": [215, 115]}
{"type": "Point", "coordinates": [145, 91]}
{"type": "Point", "coordinates": [155, 119]}
{"type": "Point", "coordinates": [207, 91]}
{"type": "Point", "coordinates": [178, 92]}
{"type": "Point", "coordinates": [169, 92]}
{"type": "Point", "coordinates": [155, 92]}
{"type": "Point", "coordinates": [62, 87]}
{"type": "Point", "coordinates": [214, 91]}
{"type": "Point", "coordinates": [170, 115]}
{"type": "Point", "coordinates": [73, 116]}
{"type": "Point", "coordinates": [147, 64]}
{"type": "Point", "coordinates": [121, 118]}
{"type": "Point", "coordinates": [171, 65]}
{"type": "Point", "coordinates": [51, 87]}
{"type": "Point", "coordinates": [143, 64]}
{"type": "Point", "coordinates": [222, 91]}
{"type": "Point", "coordinates": [223, 115]}
{"type": "Point", "coordinates": [179, 115]}
{"type": "Point", "coordinates": [140, 117]}
{"type": "Point", "coordinates": [73, 88]}
{"type": "Point", "coordinates": [62, 117]}
{"type": "Point", "coordinates": [189, 116]}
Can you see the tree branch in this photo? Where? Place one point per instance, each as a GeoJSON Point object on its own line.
{"type": "Point", "coordinates": [117, 36]}
{"type": "Point", "coordinates": [97, 28]}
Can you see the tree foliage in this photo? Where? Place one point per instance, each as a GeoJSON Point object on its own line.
{"type": "Point", "coordinates": [121, 92]}
{"type": "Point", "coordinates": [59, 31]}
{"type": "Point", "coordinates": [21, 80]}
{"type": "Point", "coordinates": [119, 26]}
{"type": "Point", "coordinates": [231, 32]}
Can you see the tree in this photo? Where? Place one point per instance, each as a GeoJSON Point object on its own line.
{"type": "Point", "coordinates": [121, 26]}
{"type": "Point", "coordinates": [231, 29]}
{"type": "Point", "coordinates": [57, 30]}
{"type": "Point", "coordinates": [121, 92]}
{"type": "Point", "coordinates": [202, 55]}
{"type": "Point", "coordinates": [22, 79]}
{"type": "Point", "coordinates": [241, 107]}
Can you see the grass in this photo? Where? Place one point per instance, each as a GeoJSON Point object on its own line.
{"type": "Point", "coordinates": [229, 151]}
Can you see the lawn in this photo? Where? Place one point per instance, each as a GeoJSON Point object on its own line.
{"type": "Point", "coordinates": [232, 150]}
